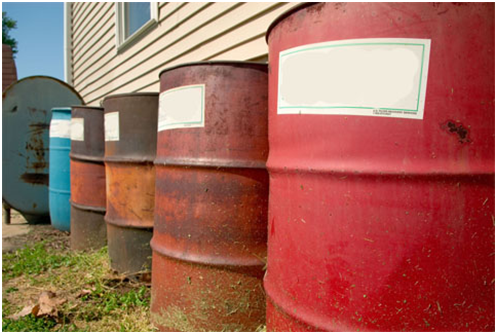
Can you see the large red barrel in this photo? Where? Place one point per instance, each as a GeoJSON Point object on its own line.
{"type": "Point", "coordinates": [88, 201]}
{"type": "Point", "coordinates": [381, 129]}
{"type": "Point", "coordinates": [130, 146]}
{"type": "Point", "coordinates": [210, 228]}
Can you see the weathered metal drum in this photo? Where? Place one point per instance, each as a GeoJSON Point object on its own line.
{"type": "Point", "coordinates": [130, 147]}
{"type": "Point", "coordinates": [210, 231]}
{"type": "Point", "coordinates": [59, 186]}
{"type": "Point", "coordinates": [381, 205]}
{"type": "Point", "coordinates": [88, 228]}
{"type": "Point", "coordinates": [26, 115]}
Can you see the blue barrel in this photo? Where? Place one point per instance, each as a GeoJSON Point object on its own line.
{"type": "Point", "coordinates": [59, 187]}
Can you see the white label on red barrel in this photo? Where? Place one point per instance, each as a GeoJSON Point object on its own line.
{"type": "Point", "coordinates": [365, 77]}
{"type": "Point", "coordinates": [182, 107]}
{"type": "Point", "coordinates": [78, 129]}
{"type": "Point", "coordinates": [111, 125]}
{"type": "Point", "coordinates": [60, 128]}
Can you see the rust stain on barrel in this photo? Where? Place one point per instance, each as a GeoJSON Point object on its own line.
{"type": "Point", "coordinates": [35, 178]}
{"type": "Point", "coordinates": [88, 200]}
{"type": "Point", "coordinates": [210, 229]}
{"type": "Point", "coordinates": [130, 180]}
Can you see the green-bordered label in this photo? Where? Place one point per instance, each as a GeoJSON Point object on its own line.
{"type": "Point", "coordinates": [182, 107]}
{"type": "Point", "coordinates": [365, 77]}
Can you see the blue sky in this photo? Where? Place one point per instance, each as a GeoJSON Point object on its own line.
{"type": "Point", "coordinates": [40, 37]}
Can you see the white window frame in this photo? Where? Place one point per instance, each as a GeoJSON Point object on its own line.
{"type": "Point", "coordinates": [121, 41]}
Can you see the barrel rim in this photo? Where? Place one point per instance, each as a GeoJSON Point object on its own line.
{"type": "Point", "coordinates": [108, 97]}
{"type": "Point", "coordinates": [9, 87]}
{"type": "Point", "coordinates": [214, 163]}
{"type": "Point", "coordinates": [97, 159]}
{"type": "Point", "coordinates": [83, 207]}
{"type": "Point", "coordinates": [122, 159]}
{"type": "Point", "coordinates": [87, 107]}
{"type": "Point", "coordinates": [62, 109]}
{"type": "Point", "coordinates": [286, 14]}
{"type": "Point", "coordinates": [216, 62]}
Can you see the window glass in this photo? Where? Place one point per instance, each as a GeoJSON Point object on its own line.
{"type": "Point", "coordinates": [136, 15]}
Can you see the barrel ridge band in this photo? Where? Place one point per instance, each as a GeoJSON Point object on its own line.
{"type": "Point", "coordinates": [124, 223]}
{"type": "Point", "coordinates": [129, 160]}
{"type": "Point", "coordinates": [87, 207]}
{"type": "Point", "coordinates": [210, 164]}
{"type": "Point", "coordinates": [86, 158]}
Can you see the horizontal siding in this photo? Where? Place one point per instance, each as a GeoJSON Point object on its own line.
{"type": "Point", "coordinates": [105, 13]}
{"type": "Point", "coordinates": [186, 32]}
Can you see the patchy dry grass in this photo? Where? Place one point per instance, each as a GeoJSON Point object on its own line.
{"type": "Point", "coordinates": [95, 298]}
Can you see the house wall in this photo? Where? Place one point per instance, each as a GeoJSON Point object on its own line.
{"type": "Point", "coordinates": [185, 32]}
{"type": "Point", "coordinates": [9, 70]}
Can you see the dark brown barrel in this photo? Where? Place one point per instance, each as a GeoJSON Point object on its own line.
{"type": "Point", "coordinates": [88, 229]}
{"type": "Point", "coordinates": [130, 148]}
{"type": "Point", "coordinates": [210, 232]}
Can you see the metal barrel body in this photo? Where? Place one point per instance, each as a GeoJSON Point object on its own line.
{"type": "Point", "coordinates": [59, 171]}
{"type": "Point", "coordinates": [382, 223]}
{"type": "Point", "coordinates": [88, 228]}
{"type": "Point", "coordinates": [26, 115]}
{"type": "Point", "coordinates": [130, 147]}
{"type": "Point", "coordinates": [210, 226]}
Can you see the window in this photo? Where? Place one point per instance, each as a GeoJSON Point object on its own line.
{"type": "Point", "coordinates": [133, 20]}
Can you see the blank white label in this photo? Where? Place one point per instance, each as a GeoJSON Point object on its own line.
{"type": "Point", "coordinates": [182, 107]}
{"type": "Point", "coordinates": [367, 77]}
{"type": "Point", "coordinates": [112, 126]}
{"type": "Point", "coordinates": [78, 129]}
{"type": "Point", "coordinates": [60, 128]}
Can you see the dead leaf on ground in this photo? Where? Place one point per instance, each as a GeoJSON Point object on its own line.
{"type": "Point", "coordinates": [30, 309]}
{"type": "Point", "coordinates": [84, 292]}
{"type": "Point", "coordinates": [47, 305]}
{"type": "Point", "coordinates": [49, 302]}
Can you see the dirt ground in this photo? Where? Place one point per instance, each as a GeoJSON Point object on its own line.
{"type": "Point", "coordinates": [15, 234]}
{"type": "Point", "coordinates": [64, 290]}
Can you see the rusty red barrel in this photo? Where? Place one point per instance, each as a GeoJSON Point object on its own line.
{"type": "Point", "coordinates": [210, 228]}
{"type": "Point", "coordinates": [130, 147]}
{"type": "Point", "coordinates": [88, 228]}
{"type": "Point", "coordinates": [381, 128]}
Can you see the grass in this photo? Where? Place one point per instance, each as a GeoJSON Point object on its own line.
{"type": "Point", "coordinates": [97, 299]}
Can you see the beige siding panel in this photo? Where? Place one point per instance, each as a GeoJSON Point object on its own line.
{"type": "Point", "coordinates": [174, 28]}
{"type": "Point", "coordinates": [102, 51]}
{"type": "Point", "coordinates": [105, 40]}
{"type": "Point", "coordinates": [153, 87]}
{"type": "Point", "coordinates": [256, 47]}
{"type": "Point", "coordinates": [93, 19]}
{"type": "Point", "coordinates": [251, 29]}
{"type": "Point", "coordinates": [165, 11]}
{"type": "Point", "coordinates": [118, 59]}
{"type": "Point", "coordinates": [76, 8]}
{"type": "Point", "coordinates": [186, 32]}
{"type": "Point", "coordinates": [180, 48]}
{"type": "Point", "coordinates": [97, 25]}
{"type": "Point", "coordinates": [83, 16]}
{"type": "Point", "coordinates": [110, 61]}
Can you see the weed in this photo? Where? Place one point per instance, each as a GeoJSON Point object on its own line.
{"type": "Point", "coordinates": [97, 299]}
{"type": "Point", "coordinates": [30, 323]}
